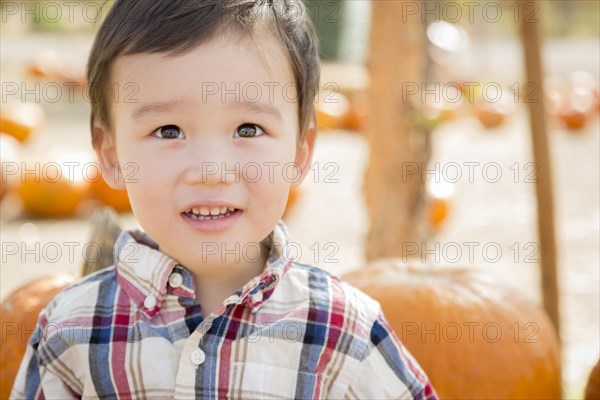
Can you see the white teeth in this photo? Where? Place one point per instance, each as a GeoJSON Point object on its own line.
{"type": "Point", "coordinates": [210, 211]}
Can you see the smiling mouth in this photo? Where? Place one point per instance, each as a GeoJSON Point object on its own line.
{"type": "Point", "coordinates": [212, 213]}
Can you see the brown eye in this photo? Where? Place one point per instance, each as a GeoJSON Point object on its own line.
{"type": "Point", "coordinates": [168, 132]}
{"type": "Point", "coordinates": [249, 130]}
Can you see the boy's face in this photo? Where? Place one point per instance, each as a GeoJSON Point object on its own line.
{"type": "Point", "coordinates": [216, 127]}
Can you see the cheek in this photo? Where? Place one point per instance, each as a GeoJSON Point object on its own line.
{"type": "Point", "coordinates": [145, 198]}
{"type": "Point", "coordinates": [143, 178]}
{"type": "Point", "coordinates": [148, 165]}
{"type": "Point", "coordinates": [267, 166]}
{"type": "Point", "coordinates": [147, 179]}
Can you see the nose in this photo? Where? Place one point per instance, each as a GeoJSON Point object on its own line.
{"type": "Point", "coordinates": [210, 163]}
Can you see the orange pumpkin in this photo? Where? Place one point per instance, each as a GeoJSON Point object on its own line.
{"type": "Point", "coordinates": [19, 314]}
{"type": "Point", "coordinates": [333, 109]}
{"type": "Point", "coordinates": [357, 114]}
{"type": "Point", "coordinates": [437, 198]}
{"type": "Point", "coordinates": [438, 209]}
{"type": "Point", "coordinates": [117, 199]}
{"type": "Point", "coordinates": [474, 337]}
{"type": "Point", "coordinates": [51, 65]}
{"type": "Point", "coordinates": [52, 194]}
{"type": "Point", "coordinates": [46, 65]}
{"type": "Point", "coordinates": [490, 115]}
{"type": "Point", "coordinates": [21, 120]}
{"type": "Point", "coordinates": [576, 108]}
{"type": "Point", "coordinates": [592, 391]}
{"type": "Point", "coordinates": [572, 119]}
{"type": "Point", "coordinates": [10, 150]}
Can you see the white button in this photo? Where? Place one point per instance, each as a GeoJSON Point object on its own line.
{"type": "Point", "coordinates": [175, 279]}
{"type": "Point", "coordinates": [197, 357]}
{"type": "Point", "coordinates": [150, 302]}
{"type": "Point", "coordinates": [257, 297]}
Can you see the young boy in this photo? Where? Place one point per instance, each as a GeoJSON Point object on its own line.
{"type": "Point", "coordinates": [199, 108]}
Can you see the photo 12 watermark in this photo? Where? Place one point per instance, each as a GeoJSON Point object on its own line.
{"type": "Point", "coordinates": [471, 252]}
{"type": "Point", "coordinates": [54, 252]}
{"type": "Point", "coordinates": [471, 11]}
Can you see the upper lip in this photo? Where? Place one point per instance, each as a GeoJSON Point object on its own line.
{"type": "Point", "coordinates": [209, 204]}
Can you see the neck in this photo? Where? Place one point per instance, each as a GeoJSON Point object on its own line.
{"type": "Point", "coordinates": [214, 283]}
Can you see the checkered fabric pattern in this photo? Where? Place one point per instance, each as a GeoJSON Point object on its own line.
{"type": "Point", "coordinates": [134, 330]}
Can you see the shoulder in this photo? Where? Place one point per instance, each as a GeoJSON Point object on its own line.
{"type": "Point", "coordinates": [326, 291]}
{"type": "Point", "coordinates": [78, 301]}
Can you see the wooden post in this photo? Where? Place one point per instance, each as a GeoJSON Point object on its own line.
{"type": "Point", "coordinates": [541, 156]}
{"type": "Point", "coordinates": [393, 196]}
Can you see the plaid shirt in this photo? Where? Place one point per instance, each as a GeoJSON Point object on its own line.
{"type": "Point", "coordinates": [134, 330]}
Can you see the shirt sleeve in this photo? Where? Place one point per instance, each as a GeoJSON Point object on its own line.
{"type": "Point", "coordinates": [388, 370]}
{"type": "Point", "coordinates": [34, 380]}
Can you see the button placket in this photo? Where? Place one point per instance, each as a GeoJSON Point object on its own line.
{"type": "Point", "coordinates": [150, 302]}
{"type": "Point", "coordinates": [257, 297]}
{"type": "Point", "coordinates": [197, 357]}
{"type": "Point", "coordinates": [192, 354]}
{"type": "Point", "coordinates": [186, 374]}
{"type": "Point", "coordinates": [175, 279]}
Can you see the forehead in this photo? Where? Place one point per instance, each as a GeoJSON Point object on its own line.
{"type": "Point", "coordinates": [232, 65]}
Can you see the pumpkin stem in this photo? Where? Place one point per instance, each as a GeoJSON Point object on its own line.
{"type": "Point", "coordinates": [105, 231]}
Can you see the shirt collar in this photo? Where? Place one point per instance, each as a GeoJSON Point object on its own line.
{"type": "Point", "coordinates": [257, 291]}
{"type": "Point", "coordinates": [143, 272]}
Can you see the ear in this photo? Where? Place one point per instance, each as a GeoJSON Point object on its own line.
{"type": "Point", "coordinates": [106, 152]}
{"type": "Point", "coordinates": [304, 152]}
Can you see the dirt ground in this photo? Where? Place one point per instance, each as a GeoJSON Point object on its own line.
{"type": "Point", "coordinates": [501, 213]}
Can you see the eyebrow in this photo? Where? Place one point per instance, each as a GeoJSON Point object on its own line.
{"type": "Point", "coordinates": [168, 106]}
{"type": "Point", "coordinates": [262, 108]}
{"type": "Point", "coordinates": [156, 108]}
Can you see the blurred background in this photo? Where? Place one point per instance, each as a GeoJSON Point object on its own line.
{"type": "Point", "coordinates": [470, 105]}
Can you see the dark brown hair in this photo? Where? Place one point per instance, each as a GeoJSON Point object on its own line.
{"type": "Point", "coordinates": [177, 26]}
